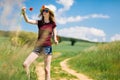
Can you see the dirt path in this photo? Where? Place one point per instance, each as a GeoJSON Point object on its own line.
{"type": "Point", "coordinates": [40, 71]}
{"type": "Point", "coordinates": [66, 68]}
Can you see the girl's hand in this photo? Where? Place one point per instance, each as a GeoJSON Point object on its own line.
{"type": "Point", "coordinates": [56, 41]}
{"type": "Point", "coordinates": [23, 10]}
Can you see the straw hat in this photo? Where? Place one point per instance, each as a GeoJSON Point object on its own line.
{"type": "Point", "coordinates": [47, 7]}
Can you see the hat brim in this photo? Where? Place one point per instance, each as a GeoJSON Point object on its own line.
{"type": "Point", "coordinates": [41, 10]}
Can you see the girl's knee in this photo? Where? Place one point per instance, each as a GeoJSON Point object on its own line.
{"type": "Point", "coordinates": [47, 70]}
{"type": "Point", "coordinates": [25, 65]}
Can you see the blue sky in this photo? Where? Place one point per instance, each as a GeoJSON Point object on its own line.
{"type": "Point", "coordinates": [94, 20]}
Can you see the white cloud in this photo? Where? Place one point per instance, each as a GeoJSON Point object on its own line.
{"type": "Point", "coordinates": [82, 32]}
{"type": "Point", "coordinates": [65, 20]}
{"type": "Point", "coordinates": [66, 5]}
{"type": "Point", "coordinates": [100, 16]}
{"type": "Point", "coordinates": [116, 37]}
{"type": "Point", "coordinates": [10, 13]}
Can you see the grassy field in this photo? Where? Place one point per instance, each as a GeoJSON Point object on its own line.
{"type": "Point", "coordinates": [12, 57]}
{"type": "Point", "coordinates": [101, 62]}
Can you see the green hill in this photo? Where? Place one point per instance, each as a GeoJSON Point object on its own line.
{"type": "Point", "coordinates": [29, 37]}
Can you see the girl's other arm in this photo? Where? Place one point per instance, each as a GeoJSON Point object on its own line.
{"type": "Point", "coordinates": [55, 35]}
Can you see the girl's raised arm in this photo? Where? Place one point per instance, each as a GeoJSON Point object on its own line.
{"type": "Point", "coordinates": [26, 18]}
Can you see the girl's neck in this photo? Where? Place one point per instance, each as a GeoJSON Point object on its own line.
{"type": "Point", "coordinates": [46, 20]}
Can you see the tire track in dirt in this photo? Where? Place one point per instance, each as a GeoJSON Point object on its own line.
{"type": "Point", "coordinates": [66, 68]}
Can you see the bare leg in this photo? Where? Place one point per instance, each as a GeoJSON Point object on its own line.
{"type": "Point", "coordinates": [28, 61]}
{"type": "Point", "coordinates": [47, 63]}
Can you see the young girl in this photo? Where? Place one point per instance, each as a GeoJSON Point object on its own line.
{"type": "Point", "coordinates": [46, 28]}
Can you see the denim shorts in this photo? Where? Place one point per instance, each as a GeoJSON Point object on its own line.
{"type": "Point", "coordinates": [43, 49]}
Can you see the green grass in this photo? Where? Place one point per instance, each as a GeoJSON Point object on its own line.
{"type": "Point", "coordinates": [100, 62]}
{"type": "Point", "coordinates": [12, 57]}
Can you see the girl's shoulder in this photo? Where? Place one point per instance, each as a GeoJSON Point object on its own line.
{"type": "Point", "coordinates": [54, 24]}
{"type": "Point", "coordinates": [40, 22]}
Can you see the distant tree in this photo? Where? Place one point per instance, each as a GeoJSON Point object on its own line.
{"type": "Point", "coordinates": [73, 41]}
{"type": "Point", "coordinates": [59, 39]}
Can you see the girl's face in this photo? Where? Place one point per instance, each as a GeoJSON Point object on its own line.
{"type": "Point", "coordinates": [46, 12]}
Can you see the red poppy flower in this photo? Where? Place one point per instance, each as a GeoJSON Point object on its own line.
{"type": "Point", "coordinates": [43, 7]}
{"type": "Point", "coordinates": [31, 9]}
